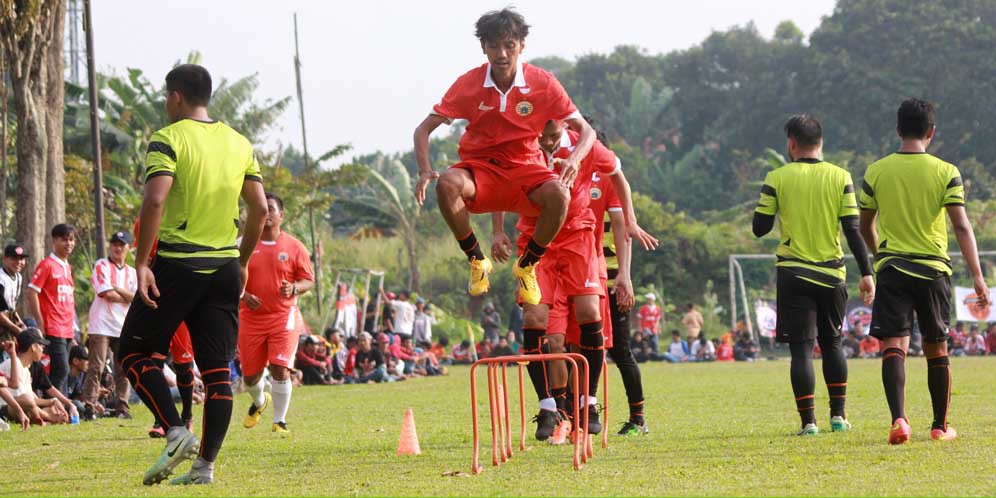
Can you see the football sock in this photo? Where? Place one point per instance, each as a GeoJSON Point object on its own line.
{"type": "Point", "coordinates": [636, 412]}
{"type": "Point", "coordinates": [537, 369]}
{"type": "Point", "coordinates": [532, 254]}
{"type": "Point", "coordinates": [560, 397]}
{"type": "Point", "coordinates": [592, 349]}
{"type": "Point", "coordinates": [148, 381]}
{"type": "Point", "coordinates": [470, 247]}
{"type": "Point", "coordinates": [255, 392]}
{"type": "Point", "coordinates": [803, 380]}
{"type": "Point", "coordinates": [217, 408]}
{"type": "Point", "coordinates": [185, 384]}
{"type": "Point", "coordinates": [939, 384]}
{"type": "Point", "coordinates": [281, 391]}
{"type": "Point", "coordinates": [835, 375]}
{"type": "Point", "coordinates": [894, 380]}
{"type": "Point", "coordinates": [622, 356]}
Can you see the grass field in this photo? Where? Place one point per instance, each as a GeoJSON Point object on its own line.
{"type": "Point", "coordinates": [717, 429]}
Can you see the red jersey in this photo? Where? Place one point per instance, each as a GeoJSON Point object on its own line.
{"type": "Point", "coordinates": [603, 199]}
{"type": "Point", "coordinates": [504, 127]}
{"type": "Point", "coordinates": [53, 281]}
{"type": "Point", "coordinates": [284, 259]}
{"type": "Point", "coordinates": [599, 161]}
{"type": "Point", "coordinates": [650, 317]}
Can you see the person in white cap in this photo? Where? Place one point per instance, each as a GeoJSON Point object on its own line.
{"type": "Point", "coordinates": [650, 319]}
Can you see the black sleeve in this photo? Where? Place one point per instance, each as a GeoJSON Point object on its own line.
{"type": "Point", "coordinates": [3, 300]}
{"type": "Point", "coordinates": [763, 223]}
{"type": "Point", "coordinates": [852, 232]}
{"type": "Point", "coordinates": [377, 356]}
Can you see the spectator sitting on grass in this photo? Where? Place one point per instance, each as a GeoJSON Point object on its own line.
{"type": "Point", "coordinates": [502, 349]}
{"type": "Point", "coordinates": [991, 338]}
{"type": "Point", "coordinates": [484, 348]}
{"type": "Point", "coordinates": [640, 347]}
{"type": "Point", "coordinates": [850, 345]}
{"type": "Point", "coordinates": [870, 347]}
{"type": "Point", "coordinates": [393, 365]}
{"type": "Point", "coordinates": [513, 341]}
{"type": "Point", "coordinates": [10, 409]}
{"type": "Point", "coordinates": [41, 411]}
{"type": "Point", "coordinates": [975, 345]}
{"type": "Point", "coordinates": [745, 349]}
{"type": "Point", "coordinates": [370, 367]}
{"type": "Point", "coordinates": [958, 342]}
{"type": "Point", "coordinates": [677, 351]}
{"type": "Point", "coordinates": [404, 351]}
{"type": "Point", "coordinates": [79, 362]}
{"type": "Point", "coordinates": [439, 350]}
{"type": "Point", "coordinates": [461, 353]}
{"type": "Point", "coordinates": [312, 369]}
{"type": "Point", "coordinates": [349, 366]}
{"type": "Point", "coordinates": [724, 352]}
{"type": "Point", "coordinates": [703, 349]}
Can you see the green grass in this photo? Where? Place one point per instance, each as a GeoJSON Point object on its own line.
{"type": "Point", "coordinates": [719, 429]}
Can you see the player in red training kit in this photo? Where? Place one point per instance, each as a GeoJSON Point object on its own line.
{"type": "Point", "coordinates": [569, 279]}
{"type": "Point", "coordinates": [506, 103]}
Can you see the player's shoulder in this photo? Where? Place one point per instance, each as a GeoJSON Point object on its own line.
{"type": "Point", "coordinates": [473, 78]}
{"type": "Point", "coordinates": [837, 172]}
{"type": "Point", "coordinates": [291, 242]}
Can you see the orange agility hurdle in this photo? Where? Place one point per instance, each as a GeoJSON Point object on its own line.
{"type": "Point", "coordinates": [501, 436]}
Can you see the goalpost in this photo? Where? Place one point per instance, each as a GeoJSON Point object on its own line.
{"type": "Point", "coordinates": [738, 289]}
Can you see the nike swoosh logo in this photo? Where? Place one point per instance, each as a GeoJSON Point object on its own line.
{"type": "Point", "coordinates": [175, 448]}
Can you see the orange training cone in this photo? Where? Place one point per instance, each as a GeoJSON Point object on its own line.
{"type": "Point", "coordinates": [408, 444]}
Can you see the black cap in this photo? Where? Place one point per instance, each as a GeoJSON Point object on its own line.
{"type": "Point", "coordinates": [30, 336]}
{"type": "Point", "coordinates": [14, 251]}
{"type": "Point", "coordinates": [123, 237]}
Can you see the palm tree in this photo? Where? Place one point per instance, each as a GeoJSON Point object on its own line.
{"type": "Point", "coordinates": [385, 200]}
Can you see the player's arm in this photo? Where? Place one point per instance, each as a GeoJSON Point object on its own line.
{"type": "Point", "coordinates": [767, 207]}
{"type": "Point", "coordinates": [633, 229]}
{"type": "Point", "coordinates": [10, 347]}
{"type": "Point", "coordinates": [66, 403]}
{"type": "Point", "coordinates": [852, 232]}
{"type": "Point", "coordinates": [421, 137]}
{"type": "Point", "coordinates": [966, 241]}
{"type": "Point", "coordinates": [501, 244]}
{"type": "Point", "coordinates": [156, 189]}
{"type": "Point", "coordinates": [868, 231]}
{"type": "Point", "coordinates": [8, 324]}
{"type": "Point", "coordinates": [255, 199]}
{"type": "Point", "coordinates": [624, 251]}
{"type": "Point", "coordinates": [586, 140]}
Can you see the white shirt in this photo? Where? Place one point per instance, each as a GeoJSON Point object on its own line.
{"type": "Point", "coordinates": [107, 318]}
{"type": "Point", "coordinates": [11, 288]}
{"type": "Point", "coordinates": [676, 349]}
{"type": "Point", "coordinates": [710, 349]}
{"type": "Point", "coordinates": [404, 317]}
{"type": "Point", "coordinates": [24, 379]}
{"type": "Point", "coordinates": [423, 328]}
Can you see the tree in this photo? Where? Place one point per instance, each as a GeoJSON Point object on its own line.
{"type": "Point", "coordinates": [31, 37]}
{"type": "Point", "coordinates": [385, 200]}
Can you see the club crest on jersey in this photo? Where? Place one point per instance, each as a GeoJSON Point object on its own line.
{"type": "Point", "coordinates": [282, 257]}
{"type": "Point", "coordinates": [524, 108]}
{"type": "Point", "coordinates": [596, 193]}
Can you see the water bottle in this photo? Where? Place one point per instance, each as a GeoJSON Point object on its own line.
{"type": "Point", "coordinates": [74, 419]}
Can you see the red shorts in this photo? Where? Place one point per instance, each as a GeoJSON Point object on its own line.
{"type": "Point", "coordinates": [505, 188]}
{"type": "Point", "coordinates": [275, 348]}
{"type": "Point", "coordinates": [574, 331]}
{"type": "Point", "coordinates": [180, 347]}
{"type": "Point", "coordinates": [567, 270]}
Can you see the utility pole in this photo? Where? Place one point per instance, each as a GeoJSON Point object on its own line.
{"type": "Point", "coordinates": [73, 9]}
{"type": "Point", "coordinates": [98, 173]}
{"type": "Point", "coordinates": [315, 253]}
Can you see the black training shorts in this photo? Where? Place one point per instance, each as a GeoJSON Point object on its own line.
{"type": "Point", "coordinates": [208, 303]}
{"type": "Point", "coordinates": [807, 310]}
{"type": "Point", "coordinates": [898, 295]}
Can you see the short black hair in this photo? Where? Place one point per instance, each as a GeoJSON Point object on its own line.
{"type": "Point", "coordinates": [675, 333]}
{"type": "Point", "coordinates": [275, 197]}
{"type": "Point", "coordinates": [63, 231]}
{"type": "Point", "coordinates": [192, 81]}
{"type": "Point", "coordinates": [497, 24]}
{"type": "Point", "coordinates": [915, 118]}
{"type": "Point", "coordinates": [805, 129]}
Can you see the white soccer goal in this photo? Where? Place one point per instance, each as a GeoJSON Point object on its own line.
{"type": "Point", "coordinates": [738, 290]}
